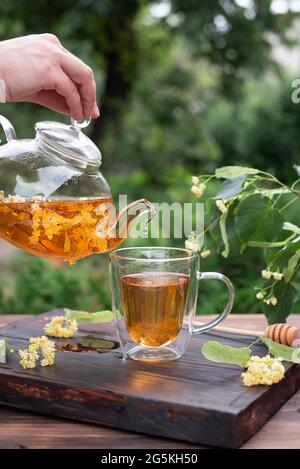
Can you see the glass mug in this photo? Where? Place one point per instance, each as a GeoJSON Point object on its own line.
{"type": "Point", "coordinates": [154, 299]}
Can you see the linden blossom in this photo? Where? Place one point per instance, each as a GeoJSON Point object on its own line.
{"type": "Point", "coordinates": [111, 459]}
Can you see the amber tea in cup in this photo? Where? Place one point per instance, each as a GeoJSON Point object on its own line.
{"type": "Point", "coordinates": [154, 305]}
{"type": "Point", "coordinates": [154, 300]}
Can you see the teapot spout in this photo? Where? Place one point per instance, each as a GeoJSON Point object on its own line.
{"type": "Point", "coordinates": [130, 214]}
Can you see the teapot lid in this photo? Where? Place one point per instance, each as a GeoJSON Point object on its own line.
{"type": "Point", "coordinates": [68, 140]}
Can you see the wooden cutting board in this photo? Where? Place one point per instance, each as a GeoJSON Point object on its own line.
{"type": "Point", "coordinates": [191, 399]}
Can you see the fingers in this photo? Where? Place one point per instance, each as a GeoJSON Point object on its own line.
{"type": "Point", "coordinates": [89, 104]}
{"type": "Point", "coordinates": [52, 100]}
{"type": "Point", "coordinates": [39, 69]}
{"type": "Point", "coordinates": [83, 76]}
{"type": "Point", "coordinates": [62, 84]}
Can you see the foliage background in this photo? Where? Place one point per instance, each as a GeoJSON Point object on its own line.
{"type": "Point", "coordinates": [184, 86]}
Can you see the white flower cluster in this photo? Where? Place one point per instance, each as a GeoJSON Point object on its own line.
{"type": "Point", "coordinates": [267, 275]}
{"type": "Point", "coordinates": [204, 254]}
{"type": "Point", "coordinates": [262, 295]}
{"type": "Point", "coordinates": [60, 326]}
{"type": "Point", "coordinates": [193, 242]}
{"type": "Point", "coordinates": [221, 206]}
{"type": "Point", "coordinates": [197, 188]}
{"type": "Point", "coordinates": [265, 370]}
{"type": "Point", "coordinates": [39, 348]}
{"type": "Point", "coordinates": [271, 300]}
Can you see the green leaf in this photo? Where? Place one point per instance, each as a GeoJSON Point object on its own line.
{"type": "Point", "coordinates": [85, 317]}
{"type": "Point", "coordinates": [289, 354]}
{"type": "Point", "coordinates": [224, 234]}
{"type": "Point", "coordinates": [230, 172]}
{"type": "Point", "coordinates": [292, 266]}
{"type": "Point", "coordinates": [285, 294]}
{"type": "Point", "coordinates": [287, 226]}
{"type": "Point", "coordinates": [280, 258]}
{"type": "Point", "coordinates": [230, 188]}
{"type": "Point", "coordinates": [2, 351]}
{"type": "Point", "coordinates": [216, 352]}
{"type": "Point", "coordinates": [257, 220]}
{"type": "Point", "coordinates": [95, 343]}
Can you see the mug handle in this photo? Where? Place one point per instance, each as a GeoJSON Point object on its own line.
{"type": "Point", "coordinates": [228, 307]}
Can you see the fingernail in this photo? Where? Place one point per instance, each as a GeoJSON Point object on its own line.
{"type": "Point", "coordinates": [96, 111]}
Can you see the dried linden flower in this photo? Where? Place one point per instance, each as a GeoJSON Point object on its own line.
{"type": "Point", "coordinates": [60, 326]}
{"type": "Point", "coordinates": [27, 359]}
{"type": "Point", "coordinates": [80, 231]}
{"type": "Point", "coordinates": [38, 348]}
{"type": "Point", "coordinates": [265, 370]}
{"type": "Point", "coordinates": [14, 199]}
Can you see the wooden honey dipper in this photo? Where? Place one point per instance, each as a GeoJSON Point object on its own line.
{"type": "Point", "coordinates": [285, 334]}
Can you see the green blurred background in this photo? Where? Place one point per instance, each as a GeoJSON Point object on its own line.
{"type": "Point", "coordinates": [184, 86]}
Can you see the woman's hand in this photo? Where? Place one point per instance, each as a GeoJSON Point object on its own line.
{"type": "Point", "coordinates": [38, 69]}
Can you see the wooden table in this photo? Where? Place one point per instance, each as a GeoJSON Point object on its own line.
{"type": "Point", "coordinates": [20, 429]}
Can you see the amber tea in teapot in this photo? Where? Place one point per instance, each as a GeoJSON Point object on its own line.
{"type": "Point", "coordinates": [64, 230]}
{"type": "Point", "coordinates": [54, 201]}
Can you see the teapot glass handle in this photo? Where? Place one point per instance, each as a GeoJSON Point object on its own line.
{"type": "Point", "coordinates": [9, 131]}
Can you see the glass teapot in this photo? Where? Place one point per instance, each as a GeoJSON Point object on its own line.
{"type": "Point", "coordinates": [54, 202]}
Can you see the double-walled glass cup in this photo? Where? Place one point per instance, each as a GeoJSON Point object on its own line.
{"type": "Point", "coordinates": [154, 299]}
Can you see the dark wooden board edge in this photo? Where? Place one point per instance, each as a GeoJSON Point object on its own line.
{"type": "Point", "coordinates": [251, 420]}
{"type": "Point", "coordinates": [185, 423]}
{"type": "Point", "coordinates": [199, 429]}
{"type": "Point", "coordinates": [66, 402]}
